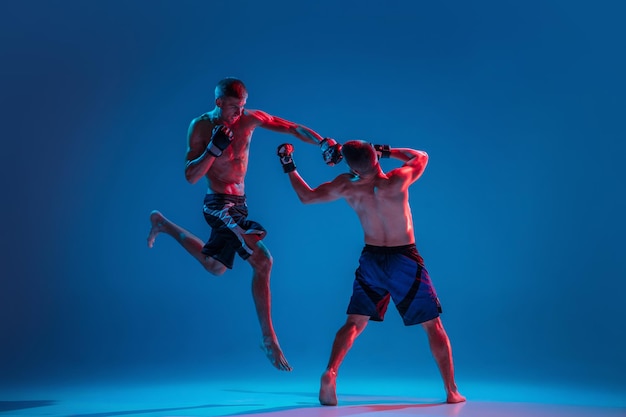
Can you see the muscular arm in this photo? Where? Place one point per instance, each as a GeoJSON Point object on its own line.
{"type": "Point", "coordinates": [198, 159]}
{"type": "Point", "coordinates": [328, 191]}
{"type": "Point", "coordinates": [414, 162]}
{"type": "Point", "coordinates": [277, 124]}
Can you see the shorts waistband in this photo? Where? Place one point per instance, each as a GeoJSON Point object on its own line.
{"type": "Point", "coordinates": [225, 198]}
{"type": "Point", "coordinates": [390, 249]}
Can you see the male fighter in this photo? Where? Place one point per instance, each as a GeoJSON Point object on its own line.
{"type": "Point", "coordinates": [390, 265]}
{"type": "Point", "coordinates": [218, 145]}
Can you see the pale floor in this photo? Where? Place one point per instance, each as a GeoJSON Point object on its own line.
{"type": "Point", "coordinates": [298, 398]}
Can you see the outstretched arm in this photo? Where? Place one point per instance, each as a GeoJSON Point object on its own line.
{"type": "Point", "coordinates": [278, 124]}
{"type": "Point", "coordinates": [327, 191]}
{"type": "Point", "coordinates": [331, 150]}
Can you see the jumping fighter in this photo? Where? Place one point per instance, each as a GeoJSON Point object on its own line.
{"type": "Point", "coordinates": [218, 144]}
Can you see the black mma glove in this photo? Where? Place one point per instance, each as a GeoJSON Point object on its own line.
{"type": "Point", "coordinates": [220, 140]}
{"type": "Point", "coordinates": [285, 152]}
{"type": "Point", "coordinates": [382, 151]}
{"type": "Point", "coordinates": [331, 151]}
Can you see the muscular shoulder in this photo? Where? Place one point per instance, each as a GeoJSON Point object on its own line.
{"type": "Point", "coordinates": [200, 129]}
{"type": "Point", "coordinates": [257, 117]}
{"type": "Point", "coordinates": [343, 183]}
{"type": "Point", "coordinates": [345, 178]}
{"type": "Point", "coordinates": [399, 178]}
{"type": "Point", "coordinates": [201, 121]}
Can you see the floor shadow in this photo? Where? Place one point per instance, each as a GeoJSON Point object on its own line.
{"type": "Point", "coordinates": [289, 393]}
{"type": "Point", "coordinates": [157, 410]}
{"type": "Point", "coordinates": [316, 410]}
{"type": "Point", "coordinates": [20, 405]}
{"type": "Point", "coordinates": [393, 407]}
{"type": "Point", "coordinates": [346, 399]}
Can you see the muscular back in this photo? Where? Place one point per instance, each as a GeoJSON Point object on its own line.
{"type": "Point", "coordinates": [381, 200]}
{"type": "Point", "coordinates": [382, 204]}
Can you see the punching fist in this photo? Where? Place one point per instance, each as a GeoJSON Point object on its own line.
{"type": "Point", "coordinates": [382, 151]}
{"type": "Point", "coordinates": [285, 152]}
{"type": "Point", "coordinates": [220, 140]}
{"type": "Point", "coordinates": [331, 151]}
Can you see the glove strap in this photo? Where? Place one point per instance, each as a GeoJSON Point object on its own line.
{"type": "Point", "coordinates": [383, 151]}
{"type": "Point", "coordinates": [290, 167]}
{"type": "Point", "coordinates": [287, 163]}
{"type": "Point", "coordinates": [214, 150]}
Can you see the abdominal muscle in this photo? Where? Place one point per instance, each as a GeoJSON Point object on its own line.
{"type": "Point", "coordinates": [227, 177]}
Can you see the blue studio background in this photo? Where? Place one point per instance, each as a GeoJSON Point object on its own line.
{"type": "Point", "coordinates": [519, 215]}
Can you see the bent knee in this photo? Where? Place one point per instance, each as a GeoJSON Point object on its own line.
{"type": "Point", "coordinates": [213, 266]}
{"type": "Point", "coordinates": [261, 262]}
{"type": "Point", "coordinates": [217, 271]}
{"type": "Point", "coordinates": [261, 257]}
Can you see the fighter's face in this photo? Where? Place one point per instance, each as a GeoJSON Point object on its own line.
{"type": "Point", "coordinates": [231, 109]}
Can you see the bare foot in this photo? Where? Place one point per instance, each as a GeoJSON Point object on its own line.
{"type": "Point", "coordinates": [455, 397]}
{"type": "Point", "coordinates": [157, 220]}
{"type": "Point", "coordinates": [275, 355]}
{"type": "Point", "coordinates": [328, 388]}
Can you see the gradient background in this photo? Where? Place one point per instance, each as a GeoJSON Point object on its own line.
{"type": "Point", "coordinates": [519, 215]}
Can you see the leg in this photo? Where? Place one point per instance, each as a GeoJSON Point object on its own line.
{"type": "Point", "coordinates": [192, 244]}
{"type": "Point", "coordinates": [261, 262]}
{"type": "Point", "coordinates": [442, 352]}
{"type": "Point", "coordinates": [355, 324]}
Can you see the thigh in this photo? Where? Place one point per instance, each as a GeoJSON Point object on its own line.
{"type": "Point", "coordinates": [369, 297]}
{"type": "Point", "coordinates": [220, 247]}
{"type": "Point", "coordinates": [412, 292]}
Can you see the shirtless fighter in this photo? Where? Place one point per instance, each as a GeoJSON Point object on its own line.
{"type": "Point", "coordinates": [218, 145]}
{"type": "Point", "coordinates": [390, 265]}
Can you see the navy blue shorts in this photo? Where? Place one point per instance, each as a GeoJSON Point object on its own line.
{"type": "Point", "coordinates": [227, 215]}
{"type": "Point", "coordinates": [397, 272]}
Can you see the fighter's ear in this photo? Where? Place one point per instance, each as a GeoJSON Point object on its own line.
{"type": "Point", "coordinates": [219, 102]}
